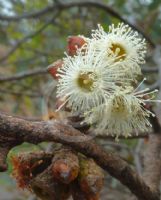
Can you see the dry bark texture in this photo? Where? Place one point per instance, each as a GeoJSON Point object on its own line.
{"type": "Point", "coordinates": [17, 131]}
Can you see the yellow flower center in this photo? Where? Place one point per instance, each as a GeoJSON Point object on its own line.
{"type": "Point", "coordinates": [118, 50]}
{"type": "Point", "coordinates": [86, 81]}
{"type": "Point", "coordinates": [119, 107]}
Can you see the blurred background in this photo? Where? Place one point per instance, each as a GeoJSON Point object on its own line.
{"type": "Point", "coordinates": [33, 34]}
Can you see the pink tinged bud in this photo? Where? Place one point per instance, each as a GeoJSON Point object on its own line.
{"type": "Point", "coordinates": [53, 69]}
{"type": "Point", "coordinates": [74, 43]}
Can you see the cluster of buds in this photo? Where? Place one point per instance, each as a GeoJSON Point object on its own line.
{"type": "Point", "coordinates": [55, 175]}
{"type": "Point", "coordinates": [98, 79]}
{"type": "Point", "coordinates": [74, 43]}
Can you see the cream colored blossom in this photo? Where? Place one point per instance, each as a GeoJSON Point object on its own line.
{"type": "Point", "coordinates": [86, 80]}
{"type": "Point", "coordinates": [98, 82]}
{"type": "Point", "coordinates": [123, 44]}
{"type": "Point", "coordinates": [123, 113]}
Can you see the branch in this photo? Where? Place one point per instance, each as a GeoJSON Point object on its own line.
{"type": "Point", "coordinates": [23, 75]}
{"type": "Point", "coordinates": [23, 40]}
{"type": "Point", "coordinates": [62, 6]}
{"type": "Point", "coordinates": [32, 95]}
{"type": "Point", "coordinates": [107, 9]}
{"type": "Point", "coordinates": [15, 131]}
{"type": "Point", "coordinates": [152, 162]}
{"type": "Point", "coordinates": [32, 15]}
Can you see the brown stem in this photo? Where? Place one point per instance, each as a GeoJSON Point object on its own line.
{"type": "Point", "coordinates": [35, 132]}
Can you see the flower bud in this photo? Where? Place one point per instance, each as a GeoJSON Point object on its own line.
{"type": "Point", "coordinates": [74, 43]}
{"type": "Point", "coordinates": [53, 68]}
{"type": "Point", "coordinates": [65, 166]}
{"type": "Point", "coordinates": [91, 177]}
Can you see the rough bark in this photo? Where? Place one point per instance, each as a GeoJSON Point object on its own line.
{"type": "Point", "coordinates": [19, 130]}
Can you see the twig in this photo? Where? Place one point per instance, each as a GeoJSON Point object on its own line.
{"type": "Point", "coordinates": [107, 9]}
{"type": "Point", "coordinates": [18, 130]}
{"type": "Point", "coordinates": [152, 162]}
{"type": "Point", "coordinates": [23, 75]}
{"type": "Point", "coordinates": [152, 158]}
{"type": "Point", "coordinates": [32, 15]}
{"type": "Point", "coordinates": [32, 95]}
{"type": "Point", "coordinates": [62, 6]}
{"type": "Point", "coordinates": [23, 40]}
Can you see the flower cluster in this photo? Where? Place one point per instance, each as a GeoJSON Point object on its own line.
{"type": "Point", "coordinates": [101, 81]}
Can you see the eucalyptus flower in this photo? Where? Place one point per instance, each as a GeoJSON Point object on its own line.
{"type": "Point", "coordinates": [86, 80]}
{"type": "Point", "coordinates": [98, 82]}
{"type": "Point", "coordinates": [123, 44]}
{"type": "Point", "coordinates": [123, 113]}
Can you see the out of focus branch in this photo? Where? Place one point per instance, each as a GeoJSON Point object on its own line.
{"type": "Point", "coordinates": [26, 38]}
{"type": "Point", "coordinates": [32, 95]}
{"type": "Point", "coordinates": [32, 15]}
{"type": "Point", "coordinates": [152, 162]}
{"type": "Point", "coordinates": [110, 11]}
{"type": "Point", "coordinates": [14, 131]}
{"type": "Point", "coordinates": [60, 6]}
{"type": "Point", "coordinates": [152, 158]}
{"type": "Point", "coordinates": [149, 69]}
{"type": "Point", "coordinates": [155, 85]}
{"type": "Point", "coordinates": [23, 75]}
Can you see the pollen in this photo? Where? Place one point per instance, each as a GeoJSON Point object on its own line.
{"type": "Point", "coordinates": [119, 51]}
{"type": "Point", "coordinates": [86, 81]}
{"type": "Point", "coordinates": [119, 107]}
